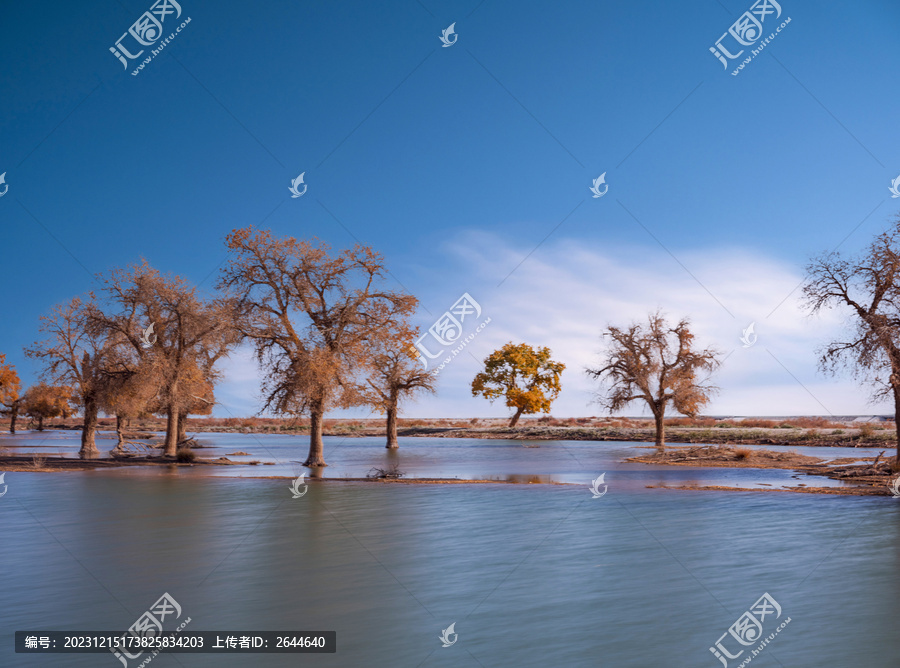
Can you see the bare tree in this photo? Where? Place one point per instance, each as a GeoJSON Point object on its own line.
{"type": "Point", "coordinates": [189, 336]}
{"type": "Point", "coordinates": [656, 364]}
{"type": "Point", "coordinates": [867, 288]}
{"type": "Point", "coordinates": [75, 354]}
{"type": "Point", "coordinates": [313, 318]}
{"type": "Point", "coordinates": [396, 374]}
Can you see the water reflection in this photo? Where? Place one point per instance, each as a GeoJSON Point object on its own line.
{"type": "Point", "coordinates": [526, 462]}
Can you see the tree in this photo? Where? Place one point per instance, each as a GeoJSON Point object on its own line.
{"type": "Point", "coordinates": [656, 364]}
{"type": "Point", "coordinates": [130, 389]}
{"type": "Point", "coordinates": [10, 392]}
{"type": "Point", "coordinates": [396, 374]}
{"type": "Point", "coordinates": [189, 336]}
{"type": "Point", "coordinates": [75, 355]}
{"type": "Point", "coordinates": [866, 287]}
{"type": "Point", "coordinates": [527, 378]}
{"type": "Point", "coordinates": [44, 401]}
{"type": "Point", "coordinates": [313, 318]}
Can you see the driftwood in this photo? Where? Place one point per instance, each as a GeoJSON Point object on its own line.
{"type": "Point", "coordinates": [133, 449]}
{"type": "Point", "coordinates": [392, 471]}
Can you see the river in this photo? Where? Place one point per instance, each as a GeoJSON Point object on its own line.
{"type": "Point", "coordinates": [531, 574]}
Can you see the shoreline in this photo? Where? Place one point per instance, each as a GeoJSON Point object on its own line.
{"type": "Point", "coordinates": [865, 475]}
{"type": "Point", "coordinates": [848, 437]}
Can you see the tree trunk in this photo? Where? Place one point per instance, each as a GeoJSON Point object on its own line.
{"type": "Point", "coordinates": [182, 426]}
{"type": "Point", "coordinates": [660, 429]}
{"type": "Point", "coordinates": [171, 431]}
{"type": "Point", "coordinates": [316, 447]}
{"type": "Point", "coordinates": [14, 414]}
{"type": "Point", "coordinates": [88, 431]}
{"type": "Point", "coordinates": [515, 418]}
{"type": "Point", "coordinates": [40, 423]}
{"type": "Point", "coordinates": [392, 427]}
{"type": "Point", "coordinates": [120, 436]}
{"type": "Point", "coordinates": [897, 424]}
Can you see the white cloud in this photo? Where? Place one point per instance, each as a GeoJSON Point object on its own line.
{"type": "Point", "coordinates": [564, 294]}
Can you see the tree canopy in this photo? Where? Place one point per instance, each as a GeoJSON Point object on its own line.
{"type": "Point", "coordinates": [867, 289]}
{"type": "Point", "coordinates": [43, 401]}
{"type": "Point", "coordinates": [525, 377]}
{"type": "Point", "coordinates": [659, 365]}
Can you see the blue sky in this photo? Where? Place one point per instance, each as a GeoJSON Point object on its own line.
{"type": "Point", "coordinates": [457, 163]}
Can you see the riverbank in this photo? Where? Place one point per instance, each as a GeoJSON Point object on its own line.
{"type": "Point", "coordinates": [845, 438]}
{"type": "Point", "coordinates": [42, 463]}
{"type": "Point", "coordinates": [869, 476]}
{"type": "Point", "coordinates": [812, 432]}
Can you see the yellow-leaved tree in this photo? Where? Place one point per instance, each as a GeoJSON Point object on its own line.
{"type": "Point", "coordinates": [44, 401]}
{"type": "Point", "coordinates": [526, 377]}
{"type": "Point", "coordinates": [10, 392]}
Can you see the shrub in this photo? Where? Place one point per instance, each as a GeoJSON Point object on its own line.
{"type": "Point", "coordinates": [185, 455]}
{"type": "Point", "coordinates": [866, 430]}
{"type": "Point", "coordinates": [759, 424]}
{"type": "Point", "coordinates": [742, 453]}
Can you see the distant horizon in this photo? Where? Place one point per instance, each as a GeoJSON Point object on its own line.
{"type": "Point", "coordinates": [524, 418]}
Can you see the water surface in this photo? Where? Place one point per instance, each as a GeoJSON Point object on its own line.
{"type": "Point", "coordinates": [532, 574]}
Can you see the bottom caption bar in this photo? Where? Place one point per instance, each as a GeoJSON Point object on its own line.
{"type": "Point", "coordinates": [211, 642]}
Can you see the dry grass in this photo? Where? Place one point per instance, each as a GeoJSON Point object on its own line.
{"type": "Point", "coordinates": [185, 455]}
{"type": "Point", "coordinates": [758, 423]}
